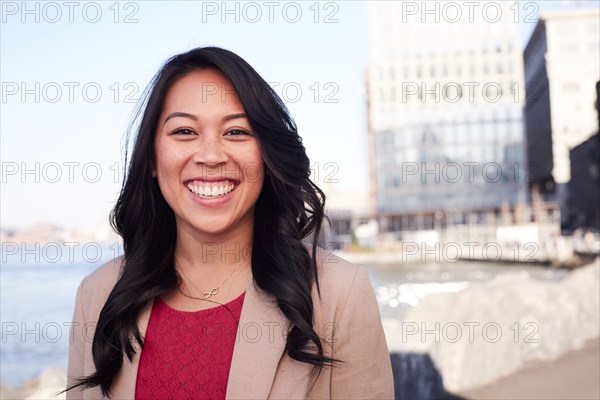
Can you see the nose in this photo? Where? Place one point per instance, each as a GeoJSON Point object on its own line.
{"type": "Point", "coordinates": [210, 152]}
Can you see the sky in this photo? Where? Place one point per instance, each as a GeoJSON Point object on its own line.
{"type": "Point", "coordinates": [72, 71]}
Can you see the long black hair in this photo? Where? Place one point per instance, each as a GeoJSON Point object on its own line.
{"type": "Point", "coordinates": [289, 209]}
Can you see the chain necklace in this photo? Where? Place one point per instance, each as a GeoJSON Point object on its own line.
{"type": "Point", "coordinates": [206, 295]}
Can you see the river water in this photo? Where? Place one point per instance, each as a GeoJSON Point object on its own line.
{"type": "Point", "coordinates": [399, 287]}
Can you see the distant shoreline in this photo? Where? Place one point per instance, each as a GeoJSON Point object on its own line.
{"type": "Point", "coordinates": [383, 258]}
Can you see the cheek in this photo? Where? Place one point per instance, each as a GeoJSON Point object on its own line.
{"type": "Point", "coordinates": [253, 167]}
{"type": "Point", "coordinates": [168, 165]}
{"type": "Point", "coordinates": [166, 156]}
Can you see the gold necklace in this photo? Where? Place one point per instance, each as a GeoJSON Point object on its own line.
{"type": "Point", "coordinates": [206, 295]}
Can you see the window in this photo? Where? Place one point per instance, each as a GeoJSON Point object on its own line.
{"type": "Point", "coordinates": [444, 130]}
{"type": "Point", "coordinates": [516, 130]}
{"type": "Point", "coordinates": [405, 136]}
{"type": "Point", "coordinates": [488, 130]}
{"type": "Point", "coordinates": [397, 136]}
{"type": "Point", "coordinates": [499, 154]}
{"type": "Point", "coordinates": [399, 158]}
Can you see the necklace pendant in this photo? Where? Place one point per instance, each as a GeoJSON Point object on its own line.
{"type": "Point", "coordinates": [212, 292]}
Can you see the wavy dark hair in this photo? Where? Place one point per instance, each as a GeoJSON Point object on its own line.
{"type": "Point", "coordinates": [289, 209]}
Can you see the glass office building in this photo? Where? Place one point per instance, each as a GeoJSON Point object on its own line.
{"type": "Point", "coordinates": [445, 106]}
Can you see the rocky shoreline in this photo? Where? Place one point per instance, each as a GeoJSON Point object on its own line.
{"type": "Point", "coordinates": [522, 319]}
{"type": "Point", "coordinates": [46, 386]}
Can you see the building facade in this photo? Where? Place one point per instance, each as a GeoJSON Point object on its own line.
{"type": "Point", "coordinates": [562, 66]}
{"type": "Point", "coordinates": [446, 131]}
{"type": "Point", "coordinates": [584, 185]}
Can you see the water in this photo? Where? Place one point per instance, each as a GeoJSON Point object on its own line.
{"type": "Point", "coordinates": [37, 301]}
{"type": "Point", "coordinates": [400, 287]}
{"type": "Point", "coordinates": [36, 308]}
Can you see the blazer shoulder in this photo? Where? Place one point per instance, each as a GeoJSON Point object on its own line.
{"type": "Point", "coordinates": [338, 274]}
{"type": "Point", "coordinates": [103, 278]}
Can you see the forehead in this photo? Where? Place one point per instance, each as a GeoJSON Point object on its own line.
{"type": "Point", "coordinates": [202, 88]}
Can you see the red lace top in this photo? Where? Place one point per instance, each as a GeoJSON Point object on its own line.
{"type": "Point", "coordinates": [187, 355]}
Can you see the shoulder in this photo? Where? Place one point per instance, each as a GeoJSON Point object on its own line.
{"type": "Point", "coordinates": [336, 271]}
{"type": "Point", "coordinates": [338, 278]}
{"type": "Point", "coordinates": [101, 281]}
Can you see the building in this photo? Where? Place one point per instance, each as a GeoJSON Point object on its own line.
{"type": "Point", "coordinates": [584, 186]}
{"type": "Point", "coordinates": [445, 116]}
{"type": "Point", "coordinates": [562, 66]}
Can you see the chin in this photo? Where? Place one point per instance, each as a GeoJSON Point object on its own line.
{"type": "Point", "coordinates": [213, 224]}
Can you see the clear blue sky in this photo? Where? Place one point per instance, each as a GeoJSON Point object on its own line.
{"type": "Point", "coordinates": [62, 125]}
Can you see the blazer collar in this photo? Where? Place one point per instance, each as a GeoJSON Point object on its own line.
{"type": "Point", "coordinates": [260, 344]}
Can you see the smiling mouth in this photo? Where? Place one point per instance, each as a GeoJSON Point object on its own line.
{"type": "Point", "coordinates": [211, 189]}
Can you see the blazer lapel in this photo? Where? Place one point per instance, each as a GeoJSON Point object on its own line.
{"type": "Point", "coordinates": [124, 385]}
{"type": "Point", "coordinates": [260, 343]}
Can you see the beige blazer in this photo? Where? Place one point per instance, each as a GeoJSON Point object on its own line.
{"type": "Point", "coordinates": [347, 317]}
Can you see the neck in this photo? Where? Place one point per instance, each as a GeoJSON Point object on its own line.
{"type": "Point", "coordinates": [199, 252]}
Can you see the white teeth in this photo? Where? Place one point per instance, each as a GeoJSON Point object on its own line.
{"type": "Point", "coordinates": [206, 191]}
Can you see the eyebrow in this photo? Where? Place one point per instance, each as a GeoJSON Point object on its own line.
{"type": "Point", "coordinates": [195, 118]}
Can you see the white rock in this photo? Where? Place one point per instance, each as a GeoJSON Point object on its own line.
{"type": "Point", "coordinates": [492, 329]}
{"type": "Point", "coordinates": [50, 382]}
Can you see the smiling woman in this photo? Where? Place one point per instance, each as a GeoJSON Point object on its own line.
{"type": "Point", "coordinates": [216, 295]}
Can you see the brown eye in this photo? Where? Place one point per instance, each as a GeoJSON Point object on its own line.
{"type": "Point", "coordinates": [238, 132]}
{"type": "Point", "coordinates": [183, 132]}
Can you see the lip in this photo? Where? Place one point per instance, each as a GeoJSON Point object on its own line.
{"type": "Point", "coordinates": [211, 201]}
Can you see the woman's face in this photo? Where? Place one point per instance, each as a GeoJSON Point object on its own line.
{"type": "Point", "coordinates": [208, 161]}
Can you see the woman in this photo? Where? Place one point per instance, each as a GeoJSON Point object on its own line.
{"type": "Point", "coordinates": [216, 295]}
